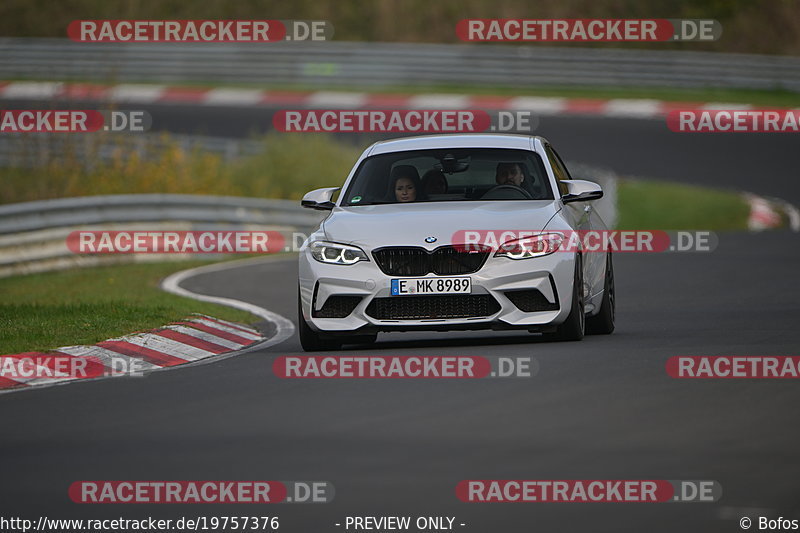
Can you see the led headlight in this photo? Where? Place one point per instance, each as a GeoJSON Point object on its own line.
{"type": "Point", "coordinates": [337, 254]}
{"type": "Point", "coordinates": [536, 246]}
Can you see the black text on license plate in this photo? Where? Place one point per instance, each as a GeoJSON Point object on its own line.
{"type": "Point", "coordinates": [411, 286]}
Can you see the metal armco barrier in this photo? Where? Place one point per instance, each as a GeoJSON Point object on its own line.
{"type": "Point", "coordinates": [33, 234]}
{"type": "Point", "coordinates": [357, 64]}
{"type": "Point", "coordinates": [46, 214]}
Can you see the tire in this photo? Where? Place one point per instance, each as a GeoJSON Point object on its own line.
{"type": "Point", "coordinates": [574, 326]}
{"type": "Point", "coordinates": [310, 340]}
{"type": "Point", "coordinates": [603, 322]}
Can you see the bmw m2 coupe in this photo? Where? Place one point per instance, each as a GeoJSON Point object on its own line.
{"type": "Point", "coordinates": [454, 232]}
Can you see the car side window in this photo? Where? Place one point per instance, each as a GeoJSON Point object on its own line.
{"type": "Point", "coordinates": [559, 169]}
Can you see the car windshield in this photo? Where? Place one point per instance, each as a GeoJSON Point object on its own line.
{"type": "Point", "coordinates": [449, 175]}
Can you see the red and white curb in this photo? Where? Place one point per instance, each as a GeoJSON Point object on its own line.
{"type": "Point", "coordinates": [764, 213]}
{"type": "Point", "coordinates": [196, 338]}
{"type": "Point", "coordinates": [200, 339]}
{"type": "Point", "coordinates": [224, 96]}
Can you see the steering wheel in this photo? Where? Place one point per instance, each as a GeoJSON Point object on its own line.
{"type": "Point", "coordinates": [496, 193]}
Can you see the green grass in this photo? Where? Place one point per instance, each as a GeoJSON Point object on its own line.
{"type": "Point", "coordinates": [672, 206]}
{"type": "Point", "coordinates": [88, 305]}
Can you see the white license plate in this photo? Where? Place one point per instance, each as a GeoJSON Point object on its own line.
{"type": "Point", "coordinates": [414, 286]}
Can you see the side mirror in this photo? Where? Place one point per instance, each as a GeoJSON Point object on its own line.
{"type": "Point", "coordinates": [581, 191]}
{"type": "Point", "coordinates": [319, 199]}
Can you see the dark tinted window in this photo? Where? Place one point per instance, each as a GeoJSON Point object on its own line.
{"type": "Point", "coordinates": [469, 174]}
{"type": "Point", "coordinates": [559, 169]}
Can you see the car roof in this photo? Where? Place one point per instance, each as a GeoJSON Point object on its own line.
{"type": "Point", "coordinates": [464, 140]}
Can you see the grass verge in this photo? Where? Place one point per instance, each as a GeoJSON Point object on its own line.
{"type": "Point", "coordinates": [89, 305]}
{"type": "Point", "coordinates": [674, 206]}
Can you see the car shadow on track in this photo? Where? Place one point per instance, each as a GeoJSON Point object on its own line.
{"type": "Point", "coordinates": [395, 342]}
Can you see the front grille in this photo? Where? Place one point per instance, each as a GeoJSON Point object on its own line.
{"type": "Point", "coordinates": [443, 261]}
{"type": "Point", "coordinates": [530, 301]}
{"type": "Point", "coordinates": [336, 307]}
{"type": "Point", "coordinates": [432, 307]}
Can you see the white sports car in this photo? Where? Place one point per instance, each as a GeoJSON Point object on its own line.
{"type": "Point", "coordinates": [453, 232]}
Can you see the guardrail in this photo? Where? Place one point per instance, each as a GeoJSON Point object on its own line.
{"type": "Point", "coordinates": [33, 235]}
{"type": "Point", "coordinates": [47, 214]}
{"type": "Point", "coordinates": [361, 64]}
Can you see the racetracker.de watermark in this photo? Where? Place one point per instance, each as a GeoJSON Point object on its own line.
{"type": "Point", "coordinates": [734, 121]}
{"type": "Point", "coordinates": [512, 242]}
{"type": "Point", "coordinates": [587, 30]}
{"type": "Point", "coordinates": [587, 491]}
{"type": "Point", "coordinates": [733, 367]}
{"type": "Point", "coordinates": [404, 367]}
{"type": "Point", "coordinates": [201, 492]}
{"type": "Point", "coordinates": [198, 31]}
{"type": "Point", "coordinates": [73, 120]}
{"type": "Point", "coordinates": [403, 121]}
{"type": "Point", "coordinates": [176, 242]}
{"type": "Point", "coordinates": [55, 366]}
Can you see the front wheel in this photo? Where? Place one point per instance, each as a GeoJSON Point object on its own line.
{"type": "Point", "coordinates": [603, 322]}
{"type": "Point", "coordinates": [574, 326]}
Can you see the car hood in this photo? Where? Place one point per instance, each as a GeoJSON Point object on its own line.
{"type": "Point", "coordinates": [373, 226]}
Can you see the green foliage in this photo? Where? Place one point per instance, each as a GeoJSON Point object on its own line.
{"type": "Point", "coordinates": [289, 166]}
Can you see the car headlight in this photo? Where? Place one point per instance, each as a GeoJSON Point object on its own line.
{"type": "Point", "coordinates": [337, 254]}
{"type": "Point", "coordinates": [536, 246]}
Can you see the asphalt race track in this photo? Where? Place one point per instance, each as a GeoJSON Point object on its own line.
{"type": "Point", "coordinates": [603, 408]}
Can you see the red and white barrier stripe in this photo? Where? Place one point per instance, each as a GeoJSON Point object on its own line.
{"type": "Point", "coordinates": [196, 338]}
{"type": "Point", "coordinates": [224, 96]}
{"type": "Point", "coordinates": [762, 215]}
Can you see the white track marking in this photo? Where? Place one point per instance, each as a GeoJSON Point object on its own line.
{"type": "Point", "coordinates": [233, 325]}
{"type": "Point", "coordinates": [108, 357]}
{"type": "Point", "coordinates": [284, 328]}
{"type": "Point", "coordinates": [542, 105]}
{"type": "Point", "coordinates": [633, 108]}
{"type": "Point", "coordinates": [227, 329]}
{"type": "Point", "coordinates": [137, 93]}
{"type": "Point", "coordinates": [203, 336]}
{"type": "Point", "coordinates": [335, 100]}
{"type": "Point", "coordinates": [223, 96]}
{"type": "Point", "coordinates": [439, 101]}
{"type": "Point", "coordinates": [168, 346]}
{"type": "Point", "coordinates": [32, 89]}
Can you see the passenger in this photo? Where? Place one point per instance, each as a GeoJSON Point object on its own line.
{"type": "Point", "coordinates": [434, 182]}
{"type": "Point", "coordinates": [509, 174]}
{"type": "Point", "coordinates": [404, 184]}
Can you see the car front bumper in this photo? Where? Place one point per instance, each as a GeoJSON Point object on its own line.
{"type": "Point", "coordinates": [551, 275]}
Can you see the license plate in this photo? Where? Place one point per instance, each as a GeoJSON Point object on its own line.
{"type": "Point", "coordinates": [415, 286]}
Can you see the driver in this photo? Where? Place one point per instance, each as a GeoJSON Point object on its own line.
{"type": "Point", "coordinates": [509, 174]}
{"type": "Point", "coordinates": [405, 185]}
